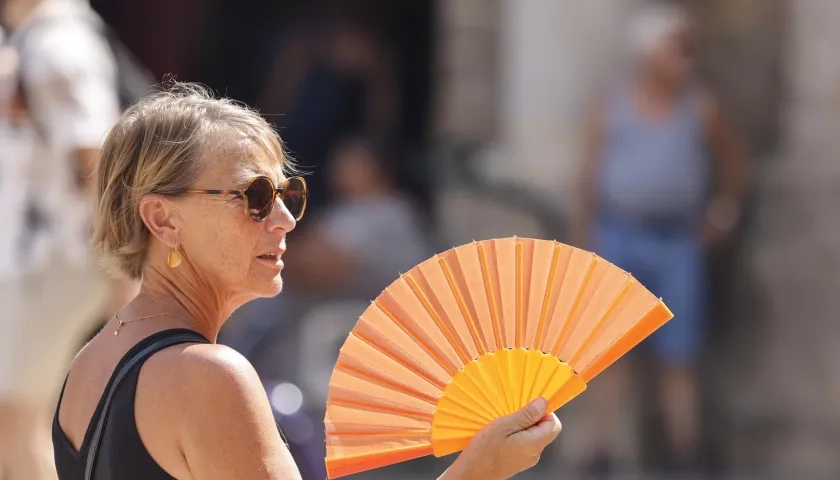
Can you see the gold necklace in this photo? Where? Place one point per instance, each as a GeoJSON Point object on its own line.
{"type": "Point", "coordinates": [121, 322]}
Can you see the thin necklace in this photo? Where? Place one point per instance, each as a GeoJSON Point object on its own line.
{"type": "Point", "coordinates": [121, 322]}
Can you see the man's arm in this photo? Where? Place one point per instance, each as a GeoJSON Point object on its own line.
{"type": "Point", "coordinates": [732, 168]}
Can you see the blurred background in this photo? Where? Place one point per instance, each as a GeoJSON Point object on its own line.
{"type": "Point", "coordinates": [425, 124]}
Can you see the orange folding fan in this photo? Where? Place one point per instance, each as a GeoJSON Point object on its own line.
{"type": "Point", "coordinates": [473, 334]}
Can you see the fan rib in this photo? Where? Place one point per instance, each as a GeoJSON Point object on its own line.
{"type": "Point", "coordinates": [520, 324]}
{"type": "Point", "coordinates": [408, 432]}
{"type": "Point", "coordinates": [596, 329]}
{"type": "Point", "coordinates": [478, 338]}
{"type": "Point", "coordinates": [488, 404]}
{"type": "Point", "coordinates": [373, 378]}
{"type": "Point", "coordinates": [398, 358]}
{"type": "Point", "coordinates": [547, 381]}
{"type": "Point", "coordinates": [505, 374]}
{"type": "Point", "coordinates": [374, 407]}
{"type": "Point", "coordinates": [519, 321]}
{"type": "Point", "coordinates": [529, 378]}
{"type": "Point", "coordinates": [439, 359]}
{"type": "Point", "coordinates": [483, 413]}
{"type": "Point", "coordinates": [458, 428]}
{"type": "Point", "coordinates": [489, 383]}
{"type": "Point", "coordinates": [342, 466]}
{"type": "Point", "coordinates": [578, 298]}
{"type": "Point", "coordinates": [557, 369]}
{"type": "Point", "coordinates": [488, 290]}
{"type": "Point", "coordinates": [548, 292]}
{"type": "Point", "coordinates": [444, 328]}
{"type": "Point", "coordinates": [650, 322]}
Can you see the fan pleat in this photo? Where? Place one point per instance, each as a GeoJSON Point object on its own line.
{"type": "Point", "coordinates": [578, 265]}
{"type": "Point", "coordinates": [506, 374]}
{"type": "Point", "coordinates": [621, 336]}
{"type": "Point", "coordinates": [472, 334]}
{"type": "Point", "coordinates": [363, 361]}
{"type": "Point", "coordinates": [464, 390]}
{"type": "Point", "coordinates": [594, 330]}
{"type": "Point", "coordinates": [433, 284]}
{"type": "Point", "coordinates": [402, 301]}
{"type": "Point", "coordinates": [548, 298]}
{"type": "Point", "coordinates": [504, 277]}
{"type": "Point", "coordinates": [605, 284]}
{"type": "Point", "coordinates": [346, 421]}
{"type": "Point", "coordinates": [521, 291]}
{"type": "Point", "coordinates": [635, 305]}
{"type": "Point", "coordinates": [467, 313]}
{"type": "Point", "coordinates": [350, 389]}
{"type": "Point", "coordinates": [581, 296]}
{"type": "Point", "coordinates": [375, 327]}
{"type": "Point", "coordinates": [359, 445]}
{"type": "Point", "coordinates": [442, 326]}
{"type": "Point", "coordinates": [460, 399]}
{"type": "Point", "coordinates": [527, 380]}
{"type": "Point", "coordinates": [399, 356]}
{"type": "Point", "coordinates": [492, 291]}
{"type": "Point", "coordinates": [542, 378]}
{"type": "Point", "coordinates": [387, 305]}
{"type": "Point", "coordinates": [469, 274]}
{"type": "Point", "coordinates": [374, 406]}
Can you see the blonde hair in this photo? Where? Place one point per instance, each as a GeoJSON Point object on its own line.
{"type": "Point", "coordinates": [156, 148]}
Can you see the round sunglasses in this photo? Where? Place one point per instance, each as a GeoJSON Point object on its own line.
{"type": "Point", "coordinates": [260, 196]}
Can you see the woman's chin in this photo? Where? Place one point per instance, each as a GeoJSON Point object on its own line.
{"type": "Point", "coordinates": [269, 287]}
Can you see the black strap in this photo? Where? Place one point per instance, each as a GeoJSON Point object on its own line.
{"type": "Point", "coordinates": [185, 337]}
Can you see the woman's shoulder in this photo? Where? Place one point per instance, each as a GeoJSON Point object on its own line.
{"type": "Point", "coordinates": [214, 402]}
{"type": "Point", "coordinates": [196, 368]}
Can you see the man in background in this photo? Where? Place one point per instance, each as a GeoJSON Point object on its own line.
{"type": "Point", "coordinates": [664, 179]}
{"type": "Point", "coordinates": [67, 90]}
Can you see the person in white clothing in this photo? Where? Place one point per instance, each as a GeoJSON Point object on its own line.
{"type": "Point", "coordinates": [51, 290]}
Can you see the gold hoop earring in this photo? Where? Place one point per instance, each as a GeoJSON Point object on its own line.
{"type": "Point", "coordinates": [174, 258]}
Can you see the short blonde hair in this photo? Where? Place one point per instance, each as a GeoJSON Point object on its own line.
{"type": "Point", "coordinates": [155, 148]}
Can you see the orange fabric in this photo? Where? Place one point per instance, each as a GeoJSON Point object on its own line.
{"type": "Point", "coordinates": [343, 466]}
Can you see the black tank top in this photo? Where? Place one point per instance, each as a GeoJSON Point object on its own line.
{"type": "Point", "coordinates": [122, 454]}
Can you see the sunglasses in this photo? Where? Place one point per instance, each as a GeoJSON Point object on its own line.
{"type": "Point", "coordinates": [260, 196]}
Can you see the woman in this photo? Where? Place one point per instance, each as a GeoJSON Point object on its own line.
{"type": "Point", "coordinates": [167, 215]}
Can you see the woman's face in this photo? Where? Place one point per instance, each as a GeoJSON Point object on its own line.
{"type": "Point", "coordinates": [229, 251]}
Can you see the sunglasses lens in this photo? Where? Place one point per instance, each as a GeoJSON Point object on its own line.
{"type": "Point", "coordinates": [260, 194]}
{"type": "Point", "coordinates": [294, 196]}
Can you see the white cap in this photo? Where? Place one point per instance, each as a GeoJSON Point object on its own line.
{"type": "Point", "coordinates": [651, 25]}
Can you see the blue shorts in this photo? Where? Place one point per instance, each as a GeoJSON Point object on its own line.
{"type": "Point", "coordinates": [669, 261]}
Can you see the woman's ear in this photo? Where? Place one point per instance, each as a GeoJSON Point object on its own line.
{"type": "Point", "coordinates": [161, 218]}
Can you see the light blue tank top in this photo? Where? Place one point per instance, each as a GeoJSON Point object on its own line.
{"type": "Point", "coordinates": [653, 170]}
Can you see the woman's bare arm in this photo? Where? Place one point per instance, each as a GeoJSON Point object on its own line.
{"type": "Point", "coordinates": [227, 429]}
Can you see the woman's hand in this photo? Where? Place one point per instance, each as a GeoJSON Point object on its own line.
{"type": "Point", "coordinates": [507, 446]}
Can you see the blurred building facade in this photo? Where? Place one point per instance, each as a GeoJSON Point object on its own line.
{"type": "Point", "coordinates": [514, 75]}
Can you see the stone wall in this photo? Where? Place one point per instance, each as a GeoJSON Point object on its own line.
{"type": "Point", "coordinates": [514, 74]}
{"type": "Point", "coordinates": [793, 262]}
{"type": "Point", "coordinates": [466, 102]}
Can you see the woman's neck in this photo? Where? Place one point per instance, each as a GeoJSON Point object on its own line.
{"type": "Point", "coordinates": [183, 295]}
